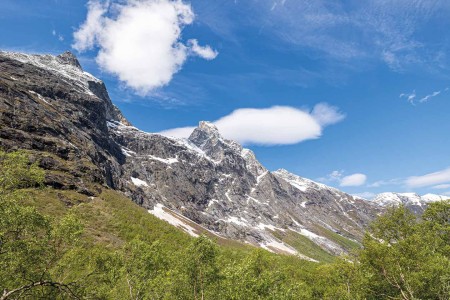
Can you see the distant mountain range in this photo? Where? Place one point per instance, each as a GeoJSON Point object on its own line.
{"type": "Point", "coordinates": [64, 117]}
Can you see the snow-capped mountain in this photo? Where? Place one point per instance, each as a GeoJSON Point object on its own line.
{"type": "Point", "coordinates": [65, 117]}
{"type": "Point", "coordinates": [413, 201]}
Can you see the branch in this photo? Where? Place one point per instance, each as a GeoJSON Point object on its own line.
{"type": "Point", "coordinates": [22, 289]}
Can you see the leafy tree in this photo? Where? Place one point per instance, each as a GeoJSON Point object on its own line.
{"type": "Point", "coordinates": [403, 257]}
{"type": "Point", "coordinates": [30, 243]}
{"type": "Point", "coordinates": [201, 265]}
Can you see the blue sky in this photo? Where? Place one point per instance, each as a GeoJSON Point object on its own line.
{"type": "Point", "coordinates": [352, 93]}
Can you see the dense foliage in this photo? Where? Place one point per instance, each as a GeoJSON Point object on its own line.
{"type": "Point", "coordinates": [63, 245]}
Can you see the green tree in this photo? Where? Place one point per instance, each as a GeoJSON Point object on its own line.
{"type": "Point", "coordinates": [30, 243]}
{"type": "Point", "coordinates": [201, 266]}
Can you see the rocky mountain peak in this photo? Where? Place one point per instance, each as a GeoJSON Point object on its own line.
{"type": "Point", "coordinates": [208, 126]}
{"type": "Point", "coordinates": [70, 59]}
{"type": "Point", "coordinates": [205, 133]}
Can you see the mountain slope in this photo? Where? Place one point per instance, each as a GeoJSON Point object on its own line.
{"type": "Point", "coordinates": [64, 116]}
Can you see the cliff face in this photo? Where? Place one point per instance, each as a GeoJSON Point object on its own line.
{"type": "Point", "coordinates": [65, 117]}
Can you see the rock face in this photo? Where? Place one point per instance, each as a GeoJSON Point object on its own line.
{"type": "Point", "coordinates": [66, 119]}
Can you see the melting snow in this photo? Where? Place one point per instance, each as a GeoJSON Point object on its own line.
{"type": "Point", "coordinates": [39, 96]}
{"type": "Point", "coordinates": [239, 221]}
{"type": "Point", "coordinates": [138, 182]}
{"type": "Point", "coordinates": [270, 227]}
{"type": "Point", "coordinates": [271, 245]}
{"type": "Point", "coordinates": [168, 161]}
{"type": "Point", "coordinates": [127, 152]}
{"type": "Point", "coordinates": [165, 214]}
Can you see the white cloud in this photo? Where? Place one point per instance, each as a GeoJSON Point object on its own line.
{"type": "Point", "coordinates": [332, 177]}
{"type": "Point", "coordinates": [388, 31]}
{"type": "Point", "coordinates": [356, 179]}
{"type": "Point", "coordinates": [427, 97]}
{"type": "Point", "coordinates": [85, 37]}
{"type": "Point", "coordinates": [409, 96]}
{"type": "Point", "coordinates": [139, 41]}
{"type": "Point", "coordinates": [59, 36]}
{"type": "Point", "coordinates": [205, 52]}
{"type": "Point", "coordinates": [326, 114]}
{"type": "Point", "coordinates": [395, 181]}
{"type": "Point", "coordinates": [435, 178]}
{"type": "Point", "coordinates": [412, 96]}
{"type": "Point", "coordinates": [365, 195]}
{"type": "Point", "coordinates": [270, 126]}
{"type": "Point", "coordinates": [442, 186]}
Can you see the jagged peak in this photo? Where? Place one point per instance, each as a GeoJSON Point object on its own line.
{"type": "Point", "coordinates": [70, 59]}
{"type": "Point", "coordinates": [206, 125]}
{"type": "Point", "coordinates": [206, 131]}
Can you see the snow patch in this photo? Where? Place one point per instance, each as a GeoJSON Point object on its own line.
{"type": "Point", "coordinates": [238, 221]}
{"type": "Point", "coordinates": [168, 161]}
{"type": "Point", "coordinates": [138, 182]}
{"type": "Point", "coordinates": [268, 226]}
{"type": "Point", "coordinates": [165, 214]}
{"type": "Point", "coordinates": [127, 152]}
{"type": "Point", "coordinates": [39, 96]}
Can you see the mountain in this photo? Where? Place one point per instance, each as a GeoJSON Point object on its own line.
{"type": "Point", "coordinates": [65, 119]}
{"type": "Point", "coordinates": [413, 201]}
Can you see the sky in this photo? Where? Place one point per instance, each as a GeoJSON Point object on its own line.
{"type": "Point", "coordinates": [354, 94]}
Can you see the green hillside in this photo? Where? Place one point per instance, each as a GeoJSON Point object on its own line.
{"type": "Point", "coordinates": [60, 244]}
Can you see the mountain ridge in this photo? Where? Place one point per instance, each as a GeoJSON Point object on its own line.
{"type": "Point", "coordinates": [65, 117]}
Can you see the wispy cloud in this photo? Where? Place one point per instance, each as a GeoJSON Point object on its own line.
{"type": "Point", "coordinates": [442, 186]}
{"type": "Point", "coordinates": [379, 183]}
{"type": "Point", "coordinates": [60, 37]}
{"type": "Point", "coordinates": [430, 179]}
{"type": "Point", "coordinates": [409, 96]}
{"type": "Point", "coordinates": [277, 125]}
{"type": "Point", "coordinates": [356, 179]}
{"type": "Point", "coordinates": [365, 195]}
{"type": "Point", "coordinates": [412, 97]}
{"type": "Point", "coordinates": [385, 31]}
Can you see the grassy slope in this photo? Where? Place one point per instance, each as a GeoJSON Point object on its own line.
{"type": "Point", "coordinates": [304, 245]}
{"type": "Point", "coordinates": [111, 219]}
{"type": "Point", "coordinates": [346, 243]}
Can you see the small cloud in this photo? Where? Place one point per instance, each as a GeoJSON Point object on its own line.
{"type": "Point", "coordinates": [59, 36]}
{"type": "Point", "coordinates": [332, 177]}
{"type": "Point", "coordinates": [205, 52]}
{"type": "Point", "coordinates": [357, 179]}
{"type": "Point", "coordinates": [411, 97]}
{"type": "Point", "coordinates": [430, 179]}
{"type": "Point", "coordinates": [379, 183]}
{"type": "Point", "coordinates": [441, 186]}
{"type": "Point", "coordinates": [277, 125]}
{"type": "Point", "coordinates": [365, 195]}
{"type": "Point", "coordinates": [139, 41]}
{"type": "Point", "coordinates": [180, 132]}
{"type": "Point", "coordinates": [427, 97]}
